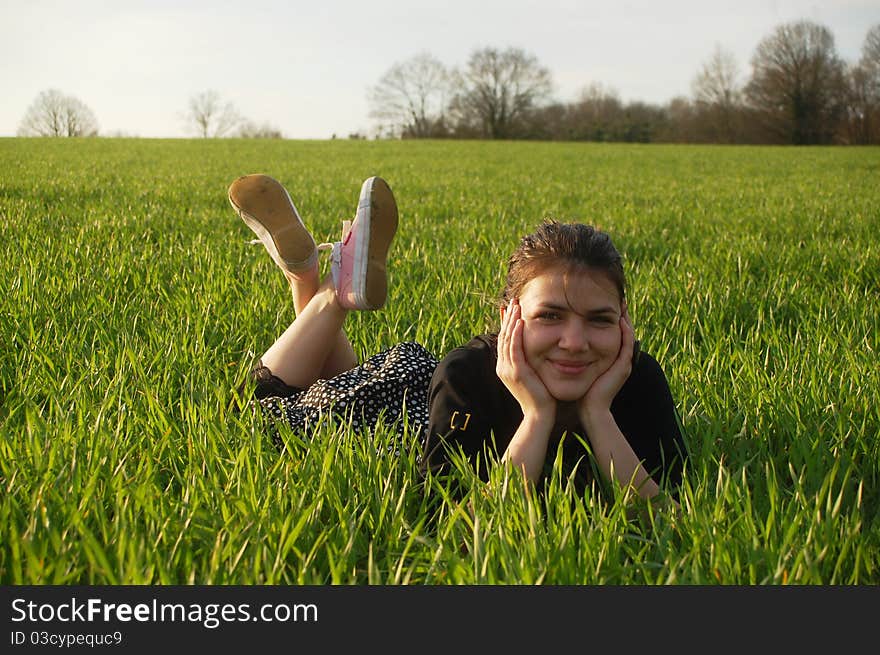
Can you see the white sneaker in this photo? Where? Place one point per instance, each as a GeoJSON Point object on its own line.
{"type": "Point", "coordinates": [265, 206]}
{"type": "Point", "coordinates": [358, 262]}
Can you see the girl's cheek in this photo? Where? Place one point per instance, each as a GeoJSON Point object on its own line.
{"type": "Point", "coordinates": [612, 341]}
{"type": "Point", "coordinates": [530, 336]}
{"type": "Point", "coordinates": [526, 337]}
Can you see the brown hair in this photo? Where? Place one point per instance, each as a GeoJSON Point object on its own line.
{"type": "Point", "coordinates": [570, 245]}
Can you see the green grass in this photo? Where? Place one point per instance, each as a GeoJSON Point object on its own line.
{"type": "Point", "coordinates": [131, 308]}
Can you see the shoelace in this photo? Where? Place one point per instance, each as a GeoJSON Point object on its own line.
{"type": "Point", "coordinates": [335, 254]}
{"type": "Point", "coordinates": [335, 248]}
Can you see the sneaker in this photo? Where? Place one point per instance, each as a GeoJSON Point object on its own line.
{"type": "Point", "coordinates": [267, 209]}
{"type": "Point", "coordinates": [358, 261]}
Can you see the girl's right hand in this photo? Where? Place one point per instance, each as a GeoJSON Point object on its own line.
{"type": "Point", "coordinates": [513, 369]}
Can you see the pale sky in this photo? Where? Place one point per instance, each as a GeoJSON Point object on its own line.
{"type": "Point", "coordinates": [305, 66]}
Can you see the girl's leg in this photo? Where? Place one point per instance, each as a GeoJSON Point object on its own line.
{"type": "Point", "coordinates": [314, 345]}
{"type": "Point", "coordinates": [301, 354]}
{"type": "Point", "coordinates": [265, 206]}
{"type": "Point", "coordinates": [341, 357]}
{"type": "Point", "coordinates": [358, 265]}
{"type": "Point", "coordinates": [303, 286]}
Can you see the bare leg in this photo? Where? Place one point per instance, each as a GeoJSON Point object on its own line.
{"type": "Point", "coordinates": [303, 285]}
{"type": "Point", "coordinates": [341, 357]}
{"type": "Point", "coordinates": [314, 346]}
{"type": "Point", "coordinates": [265, 206]}
{"type": "Point", "coordinates": [302, 353]}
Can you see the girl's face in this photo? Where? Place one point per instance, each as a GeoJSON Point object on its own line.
{"type": "Point", "coordinates": [572, 328]}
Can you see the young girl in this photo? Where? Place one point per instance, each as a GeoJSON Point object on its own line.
{"type": "Point", "coordinates": [563, 371]}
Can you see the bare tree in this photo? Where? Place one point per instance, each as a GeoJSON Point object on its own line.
{"type": "Point", "coordinates": [718, 96]}
{"type": "Point", "coordinates": [250, 130]}
{"type": "Point", "coordinates": [410, 98]}
{"type": "Point", "coordinates": [861, 107]}
{"type": "Point", "coordinates": [549, 122]}
{"type": "Point", "coordinates": [862, 124]}
{"type": "Point", "coordinates": [641, 122]}
{"type": "Point", "coordinates": [79, 120]}
{"type": "Point", "coordinates": [797, 84]}
{"type": "Point", "coordinates": [870, 64]}
{"type": "Point", "coordinates": [597, 113]}
{"type": "Point", "coordinates": [54, 114]}
{"type": "Point", "coordinates": [209, 116]}
{"type": "Point", "coordinates": [682, 122]}
{"type": "Point", "coordinates": [871, 49]}
{"type": "Point", "coordinates": [498, 88]}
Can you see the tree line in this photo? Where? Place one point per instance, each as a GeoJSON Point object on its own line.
{"type": "Point", "coordinates": [799, 92]}
{"type": "Point", "coordinates": [207, 115]}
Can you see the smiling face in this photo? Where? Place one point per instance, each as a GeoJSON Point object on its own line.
{"type": "Point", "coordinates": [572, 328]}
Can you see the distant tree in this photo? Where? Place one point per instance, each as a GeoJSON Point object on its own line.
{"type": "Point", "coordinates": [209, 116]}
{"type": "Point", "coordinates": [861, 109]}
{"type": "Point", "coordinates": [550, 122]}
{"type": "Point", "coordinates": [718, 97]}
{"type": "Point", "coordinates": [641, 122]}
{"type": "Point", "coordinates": [862, 124]}
{"type": "Point", "coordinates": [717, 83]}
{"type": "Point", "coordinates": [54, 114]}
{"type": "Point", "coordinates": [497, 89]}
{"type": "Point", "coordinates": [597, 114]}
{"type": "Point", "coordinates": [870, 64]}
{"type": "Point", "coordinates": [797, 86]}
{"type": "Point", "coordinates": [681, 121]}
{"type": "Point", "coordinates": [410, 99]}
{"type": "Point", "coordinates": [250, 130]}
{"type": "Point", "coordinates": [871, 50]}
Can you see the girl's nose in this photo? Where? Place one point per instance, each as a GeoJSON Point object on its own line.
{"type": "Point", "coordinates": [574, 336]}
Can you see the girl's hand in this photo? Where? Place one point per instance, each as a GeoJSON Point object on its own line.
{"type": "Point", "coordinates": [600, 394]}
{"type": "Point", "coordinates": [513, 369]}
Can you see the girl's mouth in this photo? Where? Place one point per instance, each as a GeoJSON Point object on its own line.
{"type": "Point", "coordinates": [568, 367]}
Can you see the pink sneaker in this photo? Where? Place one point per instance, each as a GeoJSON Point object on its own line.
{"type": "Point", "coordinates": [358, 261]}
{"type": "Point", "coordinates": [265, 206]}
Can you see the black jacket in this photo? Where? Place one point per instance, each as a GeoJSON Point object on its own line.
{"type": "Point", "coordinates": [470, 408]}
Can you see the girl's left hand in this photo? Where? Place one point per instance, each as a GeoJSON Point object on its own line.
{"type": "Point", "coordinates": [600, 394]}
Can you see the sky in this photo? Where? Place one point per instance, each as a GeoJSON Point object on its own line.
{"type": "Point", "coordinates": [305, 67]}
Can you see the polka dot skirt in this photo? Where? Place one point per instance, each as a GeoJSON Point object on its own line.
{"type": "Point", "coordinates": [391, 385]}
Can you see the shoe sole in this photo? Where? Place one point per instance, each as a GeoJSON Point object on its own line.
{"type": "Point", "coordinates": [265, 206]}
{"type": "Point", "coordinates": [377, 214]}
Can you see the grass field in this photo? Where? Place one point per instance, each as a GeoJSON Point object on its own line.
{"type": "Point", "coordinates": [131, 308]}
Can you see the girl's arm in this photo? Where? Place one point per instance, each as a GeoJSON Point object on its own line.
{"type": "Point", "coordinates": [614, 455]}
{"type": "Point", "coordinates": [528, 447]}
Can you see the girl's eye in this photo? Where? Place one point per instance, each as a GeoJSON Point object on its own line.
{"type": "Point", "coordinates": [603, 320]}
{"type": "Point", "coordinates": [549, 316]}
